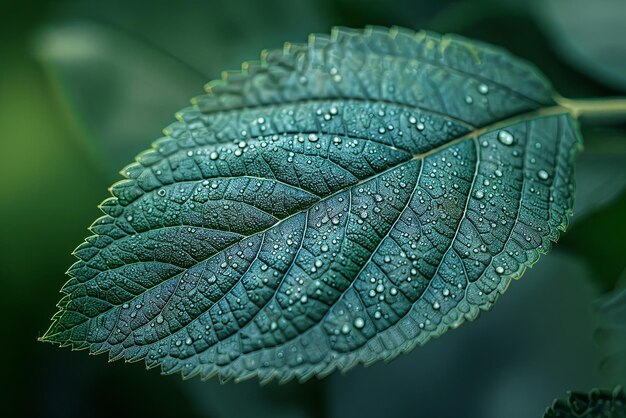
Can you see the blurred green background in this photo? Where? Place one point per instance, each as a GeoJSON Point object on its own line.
{"type": "Point", "coordinates": [86, 85]}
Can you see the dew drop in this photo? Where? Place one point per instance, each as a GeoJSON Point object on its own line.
{"type": "Point", "coordinates": [359, 322]}
{"type": "Point", "coordinates": [483, 89]}
{"type": "Point", "coordinates": [543, 174]}
{"type": "Point", "coordinates": [505, 138]}
{"type": "Point", "coordinates": [214, 155]}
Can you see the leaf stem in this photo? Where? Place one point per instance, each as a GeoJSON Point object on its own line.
{"type": "Point", "coordinates": [593, 107]}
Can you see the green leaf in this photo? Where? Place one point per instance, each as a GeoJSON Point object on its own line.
{"type": "Point", "coordinates": [335, 203]}
{"type": "Point", "coordinates": [595, 404]}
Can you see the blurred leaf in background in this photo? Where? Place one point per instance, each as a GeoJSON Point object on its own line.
{"type": "Point", "coordinates": [589, 35]}
{"type": "Point", "coordinates": [86, 85]}
{"type": "Point", "coordinates": [124, 70]}
{"type": "Point", "coordinates": [598, 225]}
{"type": "Point", "coordinates": [600, 171]}
{"type": "Point", "coordinates": [611, 332]}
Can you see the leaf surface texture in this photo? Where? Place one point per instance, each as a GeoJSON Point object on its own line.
{"type": "Point", "coordinates": [336, 202]}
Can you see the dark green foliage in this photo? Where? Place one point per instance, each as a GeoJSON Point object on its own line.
{"type": "Point", "coordinates": [595, 404]}
{"type": "Point", "coordinates": [335, 203]}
